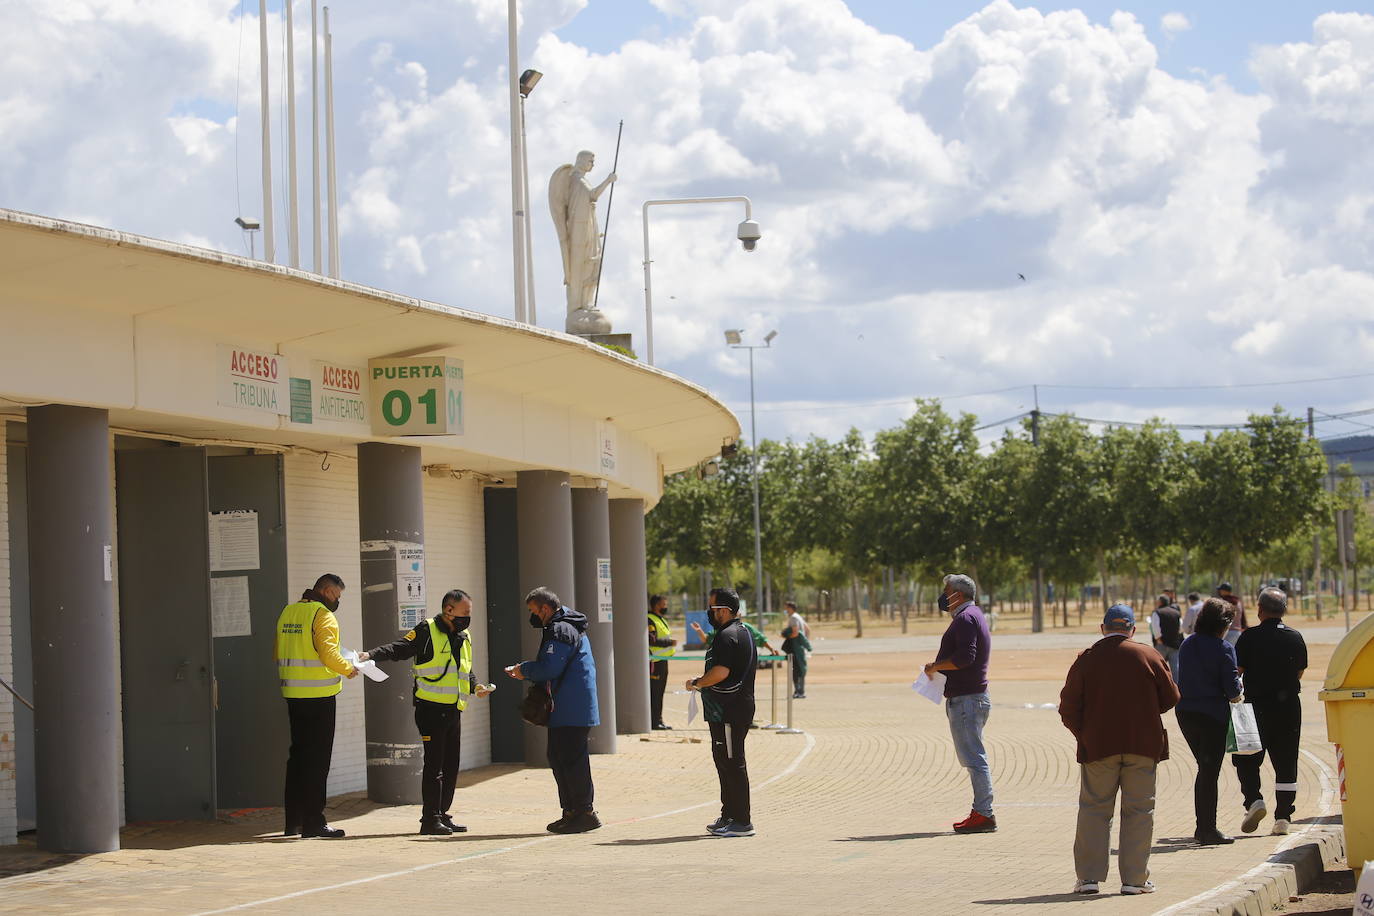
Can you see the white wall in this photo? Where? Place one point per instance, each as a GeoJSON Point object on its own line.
{"type": "Point", "coordinates": [8, 816]}
{"type": "Point", "coordinates": [321, 537]}
{"type": "Point", "coordinates": [455, 557]}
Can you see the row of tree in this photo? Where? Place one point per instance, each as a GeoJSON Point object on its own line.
{"type": "Point", "coordinates": [924, 498]}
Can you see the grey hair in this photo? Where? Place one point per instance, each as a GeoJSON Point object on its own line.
{"type": "Point", "coordinates": [1273, 602]}
{"type": "Point", "coordinates": [962, 584]}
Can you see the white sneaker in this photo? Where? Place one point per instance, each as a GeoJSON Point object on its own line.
{"type": "Point", "coordinates": [1085, 887]}
{"type": "Point", "coordinates": [1130, 889]}
{"type": "Point", "coordinates": [1253, 815]}
{"type": "Point", "coordinates": [1280, 827]}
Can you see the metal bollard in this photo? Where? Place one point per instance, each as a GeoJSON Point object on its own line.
{"type": "Point", "coordinates": [789, 730]}
{"type": "Point", "coordinates": [773, 689]}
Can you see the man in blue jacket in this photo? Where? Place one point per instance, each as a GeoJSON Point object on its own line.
{"type": "Point", "coordinates": [565, 662]}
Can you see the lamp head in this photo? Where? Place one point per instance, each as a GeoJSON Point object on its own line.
{"type": "Point", "coordinates": [732, 336]}
{"type": "Point", "coordinates": [247, 223]}
{"type": "Point", "coordinates": [528, 80]}
{"type": "Point", "coordinates": [749, 234]}
{"type": "Point", "coordinates": [768, 339]}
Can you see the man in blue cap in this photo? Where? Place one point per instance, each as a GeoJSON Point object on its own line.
{"type": "Point", "coordinates": [1113, 698]}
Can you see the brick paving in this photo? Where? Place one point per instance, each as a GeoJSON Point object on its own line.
{"type": "Point", "coordinates": [853, 817]}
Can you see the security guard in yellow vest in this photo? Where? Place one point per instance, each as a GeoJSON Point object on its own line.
{"type": "Point", "coordinates": [311, 672]}
{"type": "Point", "coordinates": [441, 654]}
{"type": "Point", "coordinates": [661, 647]}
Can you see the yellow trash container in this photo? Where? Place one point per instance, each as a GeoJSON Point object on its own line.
{"type": "Point", "coordinates": [1349, 699]}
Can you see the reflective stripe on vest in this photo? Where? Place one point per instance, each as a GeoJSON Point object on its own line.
{"type": "Point", "coordinates": [300, 673]}
{"type": "Point", "coordinates": [661, 631]}
{"type": "Point", "coordinates": [439, 680]}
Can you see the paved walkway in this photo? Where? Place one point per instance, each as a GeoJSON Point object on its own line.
{"type": "Point", "coordinates": [853, 817]}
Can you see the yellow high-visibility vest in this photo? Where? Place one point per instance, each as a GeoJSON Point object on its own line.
{"type": "Point", "coordinates": [661, 631]}
{"type": "Point", "coordinates": [441, 680]}
{"type": "Point", "coordinates": [299, 669]}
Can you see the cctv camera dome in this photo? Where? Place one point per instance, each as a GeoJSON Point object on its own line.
{"type": "Point", "coordinates": [749, 244]}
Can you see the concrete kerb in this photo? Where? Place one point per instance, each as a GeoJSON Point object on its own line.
{"type": "Point", "coordinates": [1267, 887]}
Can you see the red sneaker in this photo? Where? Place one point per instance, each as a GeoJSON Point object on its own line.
{"type": "Point", "coordinates": [976, 823]}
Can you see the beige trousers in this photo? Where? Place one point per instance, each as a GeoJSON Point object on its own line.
{"type": "Point", "coordinates": [1134, 776]}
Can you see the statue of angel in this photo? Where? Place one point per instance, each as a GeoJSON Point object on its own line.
{"type": "Point", "coordinates": [572, 201]}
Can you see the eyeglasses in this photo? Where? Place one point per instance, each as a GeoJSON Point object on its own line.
{"type": "Point", "coordinates": [720, 607]}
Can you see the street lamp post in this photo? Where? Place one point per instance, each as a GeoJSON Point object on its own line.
{"type": "Point", "coordinates": [735, 339]}
{"type": "Point", "coordinates": [748, 233]}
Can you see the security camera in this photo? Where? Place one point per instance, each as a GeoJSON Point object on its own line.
{"type": "Point", "coordinates": [749, 234]}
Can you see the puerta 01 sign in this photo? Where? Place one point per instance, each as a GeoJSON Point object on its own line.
{"type": "Point", "coordinates": [416, 396]}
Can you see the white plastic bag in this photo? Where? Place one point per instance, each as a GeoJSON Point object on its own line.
{"type": "Point", "coordinates": [1243, 737]}
{"type": "Point", "coordinates": [1364, 893]}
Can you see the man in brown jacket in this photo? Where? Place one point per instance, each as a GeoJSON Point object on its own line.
{"type": "Point", "coordinates": [1112, 701]}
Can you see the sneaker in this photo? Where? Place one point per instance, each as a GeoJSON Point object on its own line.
{"type": "Point", "coordinates": [1253, 815]}
{"type": "Point", "coordinates": [1213, 837]}
{"type": "Point", "coordinates": [447, 821]}
{"type": "Point", "coordinates": [558, 825]}
{"type": "Point", "coordinates": [579, 822]}
{"type": "Point", "coordinates": [324, 831]}
{"type": "Point", "coordinates": [719, 823]}
{"type": "Point", "coordinates": [735, 828]}
{"type": "Point", "coordinates": [1280, 827]}
{"type": "Point", "coordinates": [976, 823]}
{"type": "Point", "coordinates": [1130, 889]}
{"type": "Point", "coordinates": [1085, 887]}
{"type": "Point", "coordinates": [662, 727]}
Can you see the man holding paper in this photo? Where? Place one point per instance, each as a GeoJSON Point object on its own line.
{"type": "Point", "coordinates": [964, 653]}
{"type": "Point", "coordinates": [441, 654]}
{"type": "Point", "coordinates": [1113, 698]}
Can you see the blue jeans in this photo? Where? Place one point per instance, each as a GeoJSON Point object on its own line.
{"type": "Point", "coordinates": [967, 716]}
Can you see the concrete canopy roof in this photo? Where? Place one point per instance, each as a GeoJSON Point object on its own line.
{"type": "Point", "coordinates": [45, 260]}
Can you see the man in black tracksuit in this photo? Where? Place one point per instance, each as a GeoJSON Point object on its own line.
{"type": "Point", "coordinates": [1271, 658]}
{"type": "Point", "coordinates": [727, 693]}
{"type": "Point", "coordinates": [438, 714]}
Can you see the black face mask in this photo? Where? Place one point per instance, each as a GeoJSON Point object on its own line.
{"type": "Point", "coordinates": [535, 621]}
{"type": "Point", "coordinates": [943, 601]}
{"type": "Point", "coordinates": [332, 605]}
{"type": "Point", "coordinates": [460, 624]}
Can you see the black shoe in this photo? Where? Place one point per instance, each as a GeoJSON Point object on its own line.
{"type": "Point", "coordinates": [735, 829]}
{"type": "Point", "coordinates": [324, 832]}
{"type": "Point", "coordinates": [1213, 837]}
{"type": "Point", "coordinates": [447, 821]}
{"type": "Point", "coordinates": [719, 823]}
{"type": "Point", "coordinates": [581, 822]}
{"type": "Point", "coordinates": [292, 830]}
{"type": "Point", "coordinates": [661, 727]}
{"type": "Point", "coordinates": [432, 826]}
{"type": "Point", "coordinates": [558, 825]}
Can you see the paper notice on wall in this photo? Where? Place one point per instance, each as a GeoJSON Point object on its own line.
{"type": "Point", "coordinates": [410, 584]}
{"type": "Point", "coordinates": [234, 540]}
{"type": "Point", "coordinates": [230, 607]}
{"type": "Point", "coordinates": [604, 610]}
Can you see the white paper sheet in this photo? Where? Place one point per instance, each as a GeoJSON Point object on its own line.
{"type": "Point", "coordinates": [229, 607]}
{"type": "Point", "coordinates": [932, 688]}
{"type": "Point", "coordinates": [693, 709]}
{"type": "Point", "coordinates": [368, 668]}
{"type": "Point", "coordinates": [234, 540]}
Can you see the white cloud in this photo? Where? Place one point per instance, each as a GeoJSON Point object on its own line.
{"type": "Point", "coordinates": [1173, 23]}
{"type": "Point", "coordinates": [1170, 229]}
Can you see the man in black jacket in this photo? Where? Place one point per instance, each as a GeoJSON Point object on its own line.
{"type": "Point", "coordinates": [442, 666]}
{"type": "Point", "coordinates": [661, 647]}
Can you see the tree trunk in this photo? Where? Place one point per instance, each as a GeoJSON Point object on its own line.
{"type": "Point", "coordinates": [919, 588]}
{"type": "Point", "coordinates": [1102, 574]}
{"type": "Point", "coordinates": [858, 611]}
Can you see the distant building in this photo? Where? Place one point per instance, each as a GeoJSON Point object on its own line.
{"type": "Point", "coordinates": [1358, 452]}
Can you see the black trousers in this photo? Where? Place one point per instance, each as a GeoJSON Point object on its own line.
{"type": "Point", "coordinates": [307, 766]}
{"type": "Point", "coordinates": [1280, 728]}
{"type": "Point", "coordinates": [441, 736]}
{"type": "Point", "coordinates": [727, 749]}
{"type": "Point", "coordinates": [1206, 736]}
{"type": "Point", "coordinates": [572, 767]}
{"type": "Point", "coordinates": [798, 673]}
{"type": "Point", "coordinates": [658, 680]}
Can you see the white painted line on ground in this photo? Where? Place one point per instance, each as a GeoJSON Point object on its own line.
{"type": "Point", "coordinates": [791, 768]}
{"type": "Point", "coordinates": [1327, 809]}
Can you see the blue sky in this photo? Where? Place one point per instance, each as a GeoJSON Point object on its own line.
{"type": "Point", "coordinates": [1190, 205]}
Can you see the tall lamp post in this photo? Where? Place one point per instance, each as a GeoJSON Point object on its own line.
{"type": "Point", "coordinates": [735, 339]}
{"type": "Point", "coordinates": [528, 80]}
{"type": "Point", "coordinates": [748, 233]}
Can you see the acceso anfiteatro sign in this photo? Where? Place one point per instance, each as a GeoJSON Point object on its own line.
{"type": "Point", "coordinates": [416, 396]}
{"type": "Point", "coordinates": [340, 392]}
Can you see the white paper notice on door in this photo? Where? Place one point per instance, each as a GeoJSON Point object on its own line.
{"type": "Point", "coordinates": [229, 607]}
{"type": "Point", "coordinates": [234, 540]}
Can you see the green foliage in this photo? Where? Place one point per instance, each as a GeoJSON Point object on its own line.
{"type": "Point", "coordinates": [617, 348]}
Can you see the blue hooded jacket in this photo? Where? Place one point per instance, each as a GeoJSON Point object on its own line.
{"type": "Point", "coordinates": [562, 655]}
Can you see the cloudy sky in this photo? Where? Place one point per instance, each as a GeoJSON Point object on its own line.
{"type": "Point", "coordinates": [1187, 188]}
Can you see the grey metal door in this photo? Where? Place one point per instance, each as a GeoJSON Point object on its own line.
{"type": "Point", "coordinates": [251, 730]}
{"type": "Point", "coordinates": [164, 618]}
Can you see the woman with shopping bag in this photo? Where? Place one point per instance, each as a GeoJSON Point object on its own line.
{"type": "Point", "coordinates": [1208, 684]}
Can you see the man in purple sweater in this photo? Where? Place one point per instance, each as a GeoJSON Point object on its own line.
{"type": "Point", "coordinates": [963, 657]}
